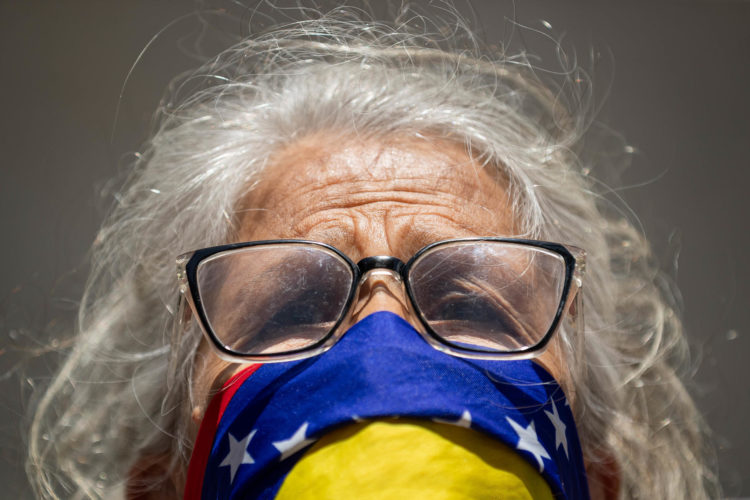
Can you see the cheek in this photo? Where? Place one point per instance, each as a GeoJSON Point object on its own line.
{"type": "Point", "coordinates": [553, 361]}
{"type": "Point", "coordinates": [209, 375]}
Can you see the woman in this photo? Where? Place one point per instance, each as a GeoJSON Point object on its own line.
{"type": "Point", "coordinates": [375, 140]}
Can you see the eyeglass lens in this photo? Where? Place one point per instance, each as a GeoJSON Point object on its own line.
{"type": "Point", "coordinates": [487, 296]}
{"type": "Point", "coordinates": [273, 298]}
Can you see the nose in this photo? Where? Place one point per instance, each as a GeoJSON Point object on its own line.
{"type": "Point", "coordinates": [381, 288]}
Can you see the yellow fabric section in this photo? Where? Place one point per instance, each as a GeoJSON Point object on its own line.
{"type": "Point", "coordinates": [409, 459]}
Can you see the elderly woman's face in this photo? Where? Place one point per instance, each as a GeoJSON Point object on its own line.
{"type": "Point", "coordinates": [366, 198]}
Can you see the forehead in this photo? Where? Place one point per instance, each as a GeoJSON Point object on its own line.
{"type": "Point", "coordinates": [368, 195]}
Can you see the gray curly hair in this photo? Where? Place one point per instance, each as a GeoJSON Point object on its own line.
{"type": "Point", "coordinates": [125, 389]}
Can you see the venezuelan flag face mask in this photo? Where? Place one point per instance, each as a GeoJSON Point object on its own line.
{"type": "Point", "coordinates": [384, 415]}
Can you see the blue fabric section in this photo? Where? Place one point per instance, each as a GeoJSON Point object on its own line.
{"type": "Point", "coordinates": [383, 368]}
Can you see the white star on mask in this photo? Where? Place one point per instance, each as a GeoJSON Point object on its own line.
{"type": "Point", "coordinates": [289, 447]}
{"type": "Point", "coordinates": [559, 429]}
{"type": "Point", "coordinates": [238, 454]}
{"type": "Point", "coordinates": [528, 441]}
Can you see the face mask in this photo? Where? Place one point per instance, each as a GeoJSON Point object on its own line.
{"type": "Point", "coordinates": [384, 408]}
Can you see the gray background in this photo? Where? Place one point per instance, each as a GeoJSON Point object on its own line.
{"type": "Point", "coordinates": [676, 75]}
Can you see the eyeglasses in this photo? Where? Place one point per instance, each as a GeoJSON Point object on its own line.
{"type": "Point", "coordinates": [281, 300]}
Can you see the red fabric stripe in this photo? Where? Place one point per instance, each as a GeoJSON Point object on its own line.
{"type": "Point", "coordinates": [207, 431]}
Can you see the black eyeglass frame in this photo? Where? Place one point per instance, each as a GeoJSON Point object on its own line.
{"type": "Point", "coordinates": [187, 274]}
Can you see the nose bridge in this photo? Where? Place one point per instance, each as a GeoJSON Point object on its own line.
{"type": "Point", "coordinates": [381, 288]}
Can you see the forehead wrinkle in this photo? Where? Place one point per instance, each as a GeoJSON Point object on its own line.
{"type": "Point", "coordinates": [319, 163]}
{"type": "Point", "coordinates": [382, 210]}
{"type": "Point", "coordinates": [337, 190]}
{"type": "Point", "coordinates": [430, 186]}
{"type": "Point", "coordinates": [324, 204]}
{"type": "Point", "coordinates": [334, 229]}
{"type": "Point", "coordinates": [410, 178]}
{"type": "Point", "coordinates": [312, 180]}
